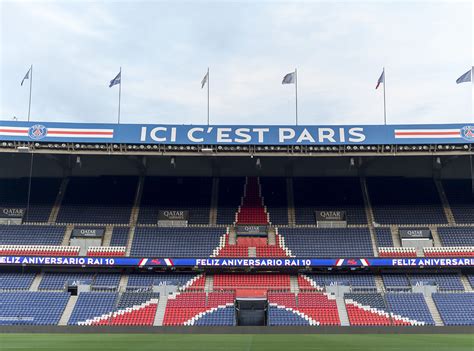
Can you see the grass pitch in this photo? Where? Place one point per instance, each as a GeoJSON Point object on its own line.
{"type": "Point", "coordinates": [237, 342]}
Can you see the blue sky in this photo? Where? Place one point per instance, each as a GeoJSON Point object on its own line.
{"type": "Point", "coordinates": [164, 49]}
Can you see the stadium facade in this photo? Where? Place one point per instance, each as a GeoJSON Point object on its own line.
{"type": "Point", "coordinates": [179, 225]}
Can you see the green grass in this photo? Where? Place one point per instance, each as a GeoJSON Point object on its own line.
{"type": "Point", "coordinates": [247, 342]}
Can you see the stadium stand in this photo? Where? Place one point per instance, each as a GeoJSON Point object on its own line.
{"type": "Point", "coordinates": [119, 236]}
{"type": "Point", "coordinates": [58, 280]}
{"type": "Point", "coordinates": [16, 280]}
{"type": "Point", "coordinates": [444, 281]}
{"type": "Point", "coordinates": [460, 197]}
{"type": "Point", "coordinates": [92, 304]}
{"type": "Point", "coordinates": [456, 236]}
{"type": "Point", "coordinates": [455, 308]}
{"type": "Point", "coordinates": [32, 308]}
{"type": "Point", "coordinates": [384, 237]}
{"type": "Point", "coordinates": [14, 194]}
{"type": "Point", "coordinates": [326, 194]}
{"type": "Point", "coordinates": [229, 198]}
{"type": "Point", "coordinates": [176, 193]}
{"type": "Point", "coordinates": [410, 305]}
{"type": "Point", "coordinates": [330, 242]}
{"type": "Point", "coordinates": [175, 242]}
{"type": "Point", "coordinates": [251, 209]}
{"type": "Point", "coordinates": [397, 200]}
{"type": "Point", "coordinates": [98, 200]}
{"type": "Point", "coordinates": [31, 234]}
{"type": "Point", "coordinates": [274, 193]}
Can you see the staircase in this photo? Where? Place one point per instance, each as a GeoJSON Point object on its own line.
{"type": "Point", "coordinates": [107, 235]}
{"type": "Point", "coordinates": [436, 238]}
{"type": "Point", "coordinates": [214, 201]}
{"type": "Point", "coordinates": [36, 282]}
{"type": "Point", "coordinates": [369, 215]}
{"type": "Point", "coordinates": [271, 236]}
{"type": "Point", "coordinates": [379, 283]}
{"type": "Point", "coordinates": [395, 236]}
{"type": "Point", "coordinates": [232, 236]}
{"type": "Point", "coordinates": [123, 282]}
{"type": "Point", "coordinates": [433, 310]}
{"type": "Point", "coordinates": [160, 310]}
{"type": "Point", "coordinates": [444, 200]}
{"type": "Point", "coordinates": [341, 309]}
{"type": "Point", "coordinates": [68, 310]}
{"type": "Point", "coordinates": [131, 234]}
{"type": "Point", "coordinates": [67, 235]}
{"type": "Point", "coordinates": [209, 285]}
{"type": "Point", "coordinates": [252, 252]}
{"type": "Point", "coordinates": [465, 283]}
{"type": "Point", "coordinates": [57, 203]}
{"type": "Point", "coordinates": [291, 202]}
{"type": "Point", "coordinates": [252, 209]}
{"type": "Point", "coordinates": [294, 287]}
{"type": "Point", "coordinates": [137, 201]}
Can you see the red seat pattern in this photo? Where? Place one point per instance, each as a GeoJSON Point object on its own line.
{"type": "Point", "coordinates": [252, 281]}
{"type": "Point", "coordinates": [187, 305]}
{"type": "Point", "coordinates": [318, 306]}
{"type": "Point", "coordinates": [140, 316]}
{"type": "Point", "coordinates": [459, 251]}
{"type": "Point", "coordinates": [106, 251]}
{"type": "Point", "coordinates": [397, 252]}
{"type": "Point", "coordinates": [252, 210]}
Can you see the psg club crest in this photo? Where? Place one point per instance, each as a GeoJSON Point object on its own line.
{"type": "Point", "coordinates": [467, 133]}
{"type": "Point", "coordinates": [37, 132]}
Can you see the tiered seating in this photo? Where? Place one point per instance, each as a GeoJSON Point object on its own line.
{"type": "Point", "coordinates": [92, 304]}
{"type": "Point", "coordinates": [305, 308]}
{"type": "Point", "coordinates": [470, 278]}
{"type": "Point", "coordinates": [321, 280]}
{"type": "Point", "coordinates": [456, 251]}
{"type": "Point", "coordinates": [396, 281]}
{"type": "Point", "coordinates": [189, 307]}
{"type": "Point", "coordinates": [252, 285]}
{"type": "Point", "coordinates": [275, 198]}
{"type": "Point", "coordinates": [241, 249]}
{"type": "Point", "coordinates": [367, 309]}
{"type": "Point", "coordinates": [147, 280]}
{"type": "Point", "coordinates": [252, 210]}
{"type": "Point", "coordinates": [331, 242]}
{"type": "Point", "coordinates": [119, 236]}
{"type": "Point", "coordinates": [105, 200]}
{"type": "Point", "coordinates": [32, 308]}
{"type": "Point", "coordinates": [320, 307]}
{"type": "Point", "coordinates": [14, 194]}
{"type": "Point", "coordinates": [176, 193]}
{"type": "Point", "coordinates": [104, 251]}
{"type": "Point", "coordinates": [384, 237]}
{"type": "Point", "coordinates": [229, 198]}
{"type": "Point", "coordinates": [175, 242]}
{"type": "Point", "coordinates": [227, 250]}
{"type": "Point", "coordinates": [444, 281]}
{"type": "Point", "coordinates": [39, 250]}
{"type": "Point", "coordinates": [460, 198]}
{"type": "Point", "coordinates": [412, 306]}
{"type": "Point", "coordinates": [328, 194]}
{"type": "Point", "coordinates": [457, 236]}
{"type": "Point", "coordinates": [221, 316]}
{"type": "Point", "coordinates": [57, 280]}
{"type": "Point", "coordinates": [455, 309]}
{"type": "Point", "coordinates": [397, 252]}
{"type": "Point", "coordinates": [16, 281]}
{"type": "Point", "coordinates": [397, 200]}
{"type": "Point", "coordinates": [31, 235]}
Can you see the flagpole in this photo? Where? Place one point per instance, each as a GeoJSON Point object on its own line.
{"type": "Point", "coordinates": [31, 83]}
{"type": "Point", "coordinates": [296, 96]}
{"type": "Point", "coordinates": [208, 79]}
{"type": "Point", "coordinates": [120, 93]}
{"type": "Point", "coordinates": [384, 103]}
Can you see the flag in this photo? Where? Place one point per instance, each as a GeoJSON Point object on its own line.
{"type": "Point", "coordinates": [381, 79]}
{"type": "Point", "coordinates": [289, 78]}
{"type": "Point", "coordinates": [204, 80]}
{"type": "Point", "coordinates": [466, 77]}
{"type": "Point", "coordinates": [27, 76]}
{"type": "Point", "coordinates": [116, 80]}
